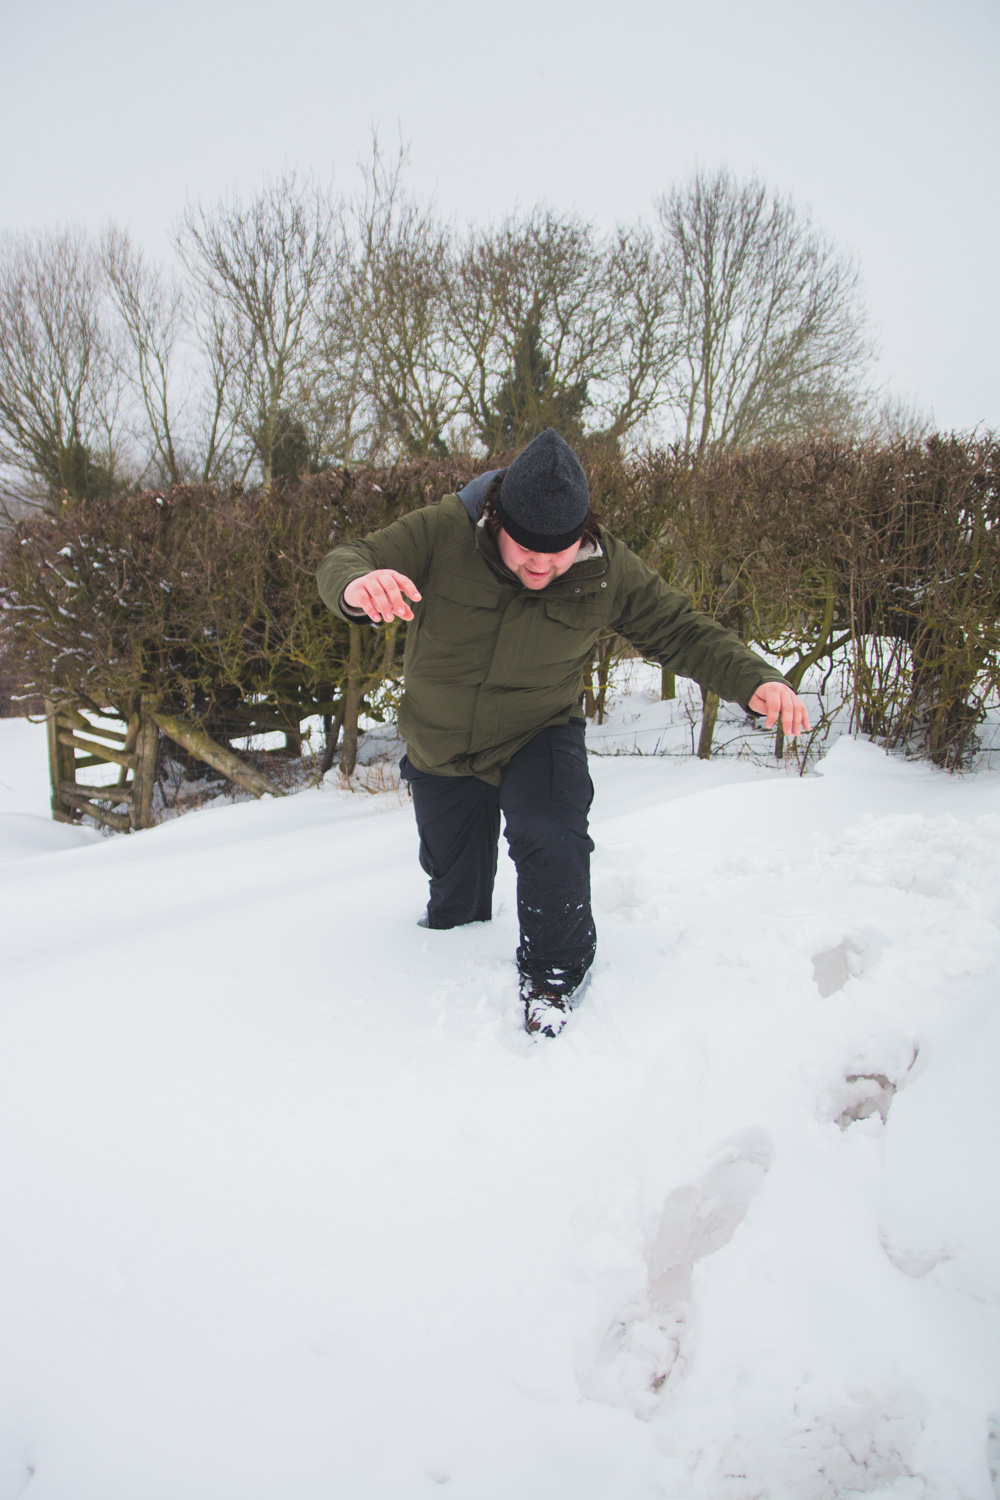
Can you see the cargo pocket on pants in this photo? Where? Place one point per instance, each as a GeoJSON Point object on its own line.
{"type": "Point", "coordinates": [571, 781]}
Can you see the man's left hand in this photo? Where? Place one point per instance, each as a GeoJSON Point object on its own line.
{"type": "Point", "coordinates": [776, 700]}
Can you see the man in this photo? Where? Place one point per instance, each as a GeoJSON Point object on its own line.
{"type": "Point", "coordinates": [506, 588]}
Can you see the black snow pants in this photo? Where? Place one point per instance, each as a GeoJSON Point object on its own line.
{"type": "Point", "coordinates": [545, 795]}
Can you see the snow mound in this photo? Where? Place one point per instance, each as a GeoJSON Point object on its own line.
{"type": "Point", "coordinates": [25, 835]}
{"type": "Point", "coordinates": [295, 1208]}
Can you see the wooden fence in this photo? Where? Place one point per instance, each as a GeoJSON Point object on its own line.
{"type": "Point", "coordinates": [125, 804]}
{"type": "Point", "coordinates": [76, 744]}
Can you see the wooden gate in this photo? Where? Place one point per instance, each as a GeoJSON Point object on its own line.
{"type": "Point", "coordinates": [75, 744]}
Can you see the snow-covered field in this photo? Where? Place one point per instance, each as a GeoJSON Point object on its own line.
{"type": "Point", "coordinates": [293, 1209]}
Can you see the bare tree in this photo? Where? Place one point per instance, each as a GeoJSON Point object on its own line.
{"type": "Point", "coordinates": [153, 315]}
{"type": "Point", "coordinates": [383, 386]}
{"type": "Point", "coordinates": [59, 383]}
{"type": "Point", "coordinates": [410, 375]}
{"type": "Point", "coordinates": [531, 326]}
{"type": "Point", "coordinates": [263, 268]}
{"type": "Point", "coordinates": [646, 346]}
{"type": "Point", "coordinates": [770, 314]}
{"type": "Point", "coordinates": [330, 392]}
{"type": "Point", "coordinates": [224, 438]}
{"type": "Point", "coordinates": [186, 366]}
{"type": "Point", "coordinates": [553, 325]}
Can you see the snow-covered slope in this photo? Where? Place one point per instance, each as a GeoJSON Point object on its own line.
{"type": "Point", "coordinates": [293, 1210]}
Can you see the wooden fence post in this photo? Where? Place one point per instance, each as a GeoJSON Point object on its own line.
{"type": "Point", "coordinates": [352, 703]}
{"type": "Point", "coordinates": [709, 714]}
{"type": "Point", "coordinates": [62, 766]}
{"type": "Point", "coordinates": [147, 752]}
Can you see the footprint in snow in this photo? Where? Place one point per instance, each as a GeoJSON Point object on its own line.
{"type": "Point", "coordinates": [835, 966]}
{"type": "Point", "coordinates": [645, 1345]}
{"type": "Point", "coordinates": [993, 1452]}
{"type": "Point", "coordinates": [870, 1093]}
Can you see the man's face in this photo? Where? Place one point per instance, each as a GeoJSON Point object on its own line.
{"type": "Point", "coordinates": [535, 569]}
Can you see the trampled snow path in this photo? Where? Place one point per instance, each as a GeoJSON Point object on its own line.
{"type": "Point", "coordinates": [292, 1209]}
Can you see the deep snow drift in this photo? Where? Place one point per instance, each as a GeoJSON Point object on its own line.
{"type": "Point", "coordinates": [293, 1210]}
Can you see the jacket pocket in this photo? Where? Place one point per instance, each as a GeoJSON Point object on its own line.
{"type": "Point", "coordinates": [589, 611]}
{"type": "Point", "coordinates": [569, 630]}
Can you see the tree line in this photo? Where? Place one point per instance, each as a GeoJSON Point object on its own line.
{"type": "Point", "coordinates": [301, 330]}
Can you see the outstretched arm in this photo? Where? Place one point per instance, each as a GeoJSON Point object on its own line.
{"type": "Point", "coordinates": [401, 551]}
{"type": "Point", "coordinates": [776, 700]}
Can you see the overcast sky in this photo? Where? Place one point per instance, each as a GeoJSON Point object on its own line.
{"type": "Point", "coordinates": [881, 116]}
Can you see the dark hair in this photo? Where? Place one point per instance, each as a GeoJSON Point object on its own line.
{"type": "Point", "coordinates": [591, 526]}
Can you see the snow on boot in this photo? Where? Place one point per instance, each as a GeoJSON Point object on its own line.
{"type": "Point", "coordinates": [545, 1014]}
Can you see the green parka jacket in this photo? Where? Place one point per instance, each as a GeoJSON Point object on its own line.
{"type": "Point", "coordinates": [489, 662]}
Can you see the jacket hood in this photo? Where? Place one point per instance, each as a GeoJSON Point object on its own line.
{"type": "Point", "coordinates": [473, 496]}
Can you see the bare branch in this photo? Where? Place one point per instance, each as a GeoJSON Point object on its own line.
{"type": "Point", "coordinates": [59, 376]}
{"type": "Point", "coordinates": [153, 315]}
{"type": "Point", "coordinates": [263, 267]}
{"type": "Point", "coordinates": [771, 319]}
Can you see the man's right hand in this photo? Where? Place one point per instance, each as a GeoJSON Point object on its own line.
{"type": "Point", "coordinates": [380, 595]}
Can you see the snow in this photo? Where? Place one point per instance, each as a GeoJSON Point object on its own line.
{"type": "Point", "coordinates": [293, 1208]}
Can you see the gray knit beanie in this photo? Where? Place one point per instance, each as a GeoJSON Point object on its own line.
{"type": "Point", "coordinates": [543, 501]}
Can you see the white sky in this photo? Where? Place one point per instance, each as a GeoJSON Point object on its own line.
{"type": "Point", "coordinates": [882, 116]}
